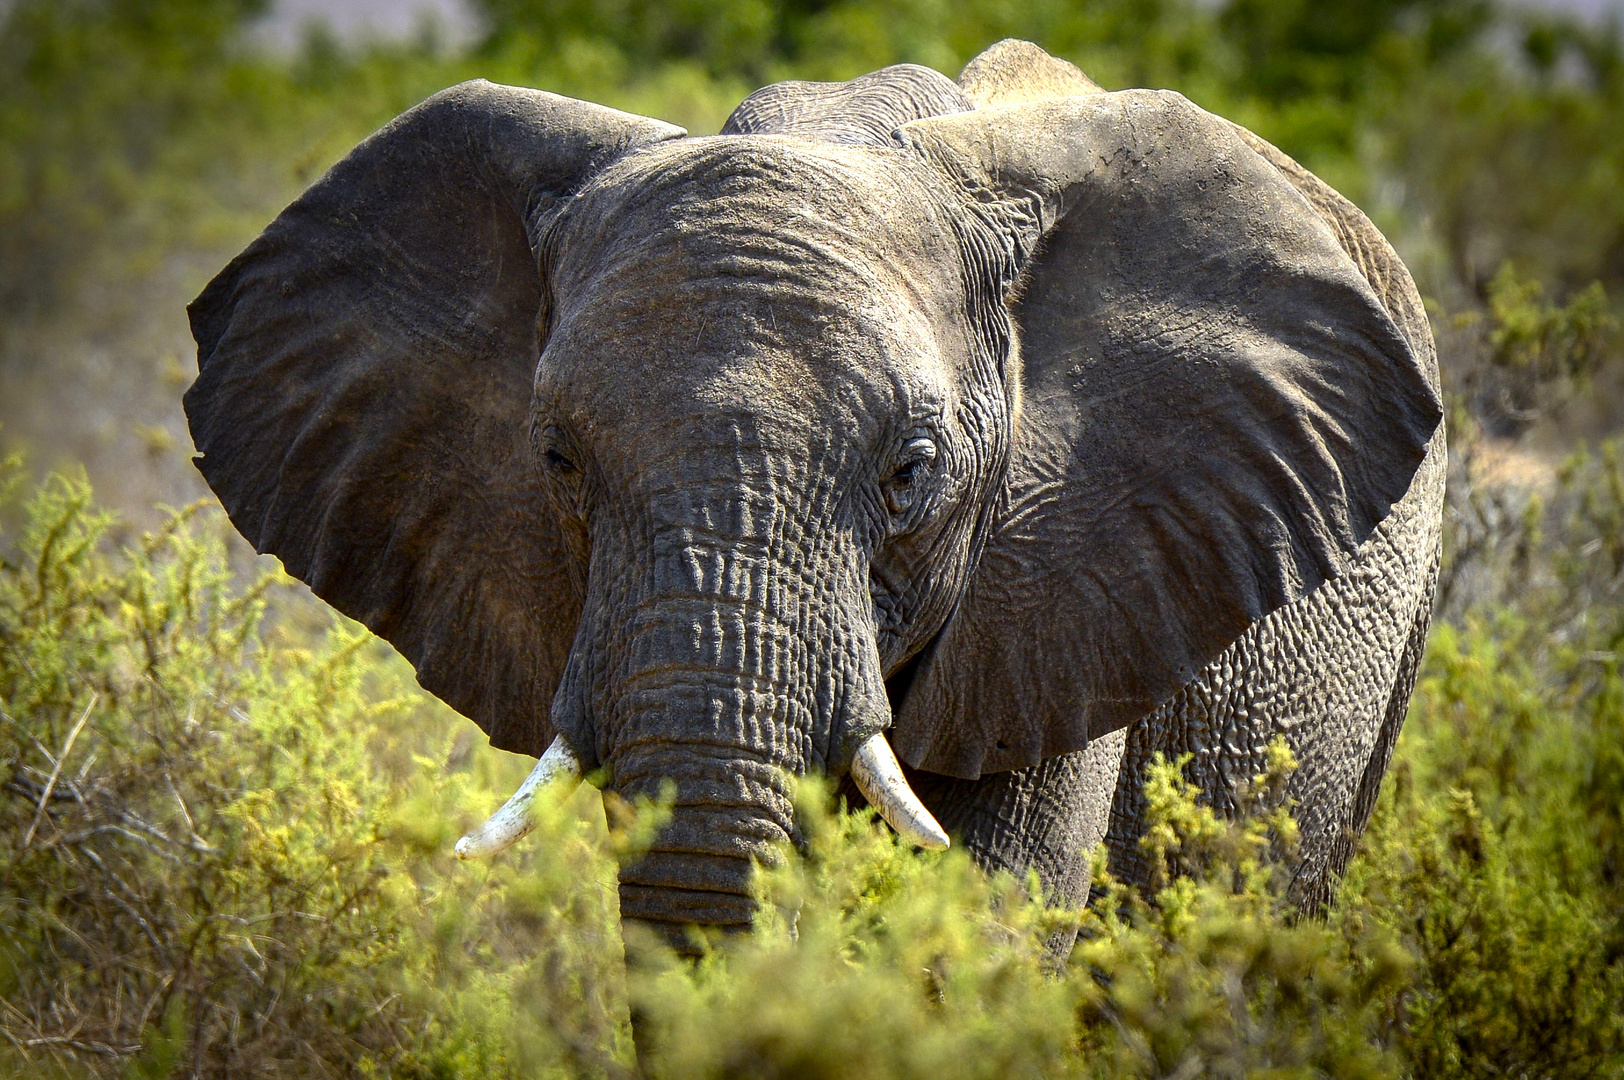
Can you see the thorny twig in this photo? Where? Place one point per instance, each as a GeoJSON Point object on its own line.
{"type": "Point", "coordinates": [56, 771]}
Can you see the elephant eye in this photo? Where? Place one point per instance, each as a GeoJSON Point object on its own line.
{"type": "Point", "coordinates": [553, 441]}
{"type": "Point", "coordinates": [903, 486]}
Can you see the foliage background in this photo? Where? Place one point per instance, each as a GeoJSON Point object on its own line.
{"type": "Point", "coordinates": [225, 815]}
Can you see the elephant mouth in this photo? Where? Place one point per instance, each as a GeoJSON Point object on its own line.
{"type": "Point", "coordinates": [728, 815]}
{"type": "Point", "coordinates": [729, 811]}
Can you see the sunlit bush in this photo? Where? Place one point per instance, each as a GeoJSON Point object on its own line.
{"type": "Point", "coordinates": [223, 840]}
{"type": "Point", "coordinates": [225, 826]}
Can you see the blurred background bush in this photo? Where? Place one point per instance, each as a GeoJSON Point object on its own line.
{"type": "Point", "coordinates": [225, 815]}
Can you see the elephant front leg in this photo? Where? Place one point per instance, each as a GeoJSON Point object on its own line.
{"type": "Point", "coordinates": [1047, 818]}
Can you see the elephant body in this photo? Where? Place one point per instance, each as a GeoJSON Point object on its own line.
{"type": "Point", "coordinates": [1022, 427]}
{"type": "Point", "coordinates": [1332, 673]}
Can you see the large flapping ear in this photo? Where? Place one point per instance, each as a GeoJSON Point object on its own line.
{"type": "Point", "coordinates": [1217, 410]}
{"type": "Point", "coordinates": [1365, 245]}
{"type": "Point", "coordinates": [363, 391]}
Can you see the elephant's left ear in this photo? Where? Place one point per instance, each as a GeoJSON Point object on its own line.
{"type": "Point", "coordinates": [1216, 412]}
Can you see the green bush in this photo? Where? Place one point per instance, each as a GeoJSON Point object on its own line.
{"type": "Point", "coordinates": [224, 840]}
{"type": "Point", "coordinates": [1493, 856]}
{"type": "Point", "coordinates": [225, 824]}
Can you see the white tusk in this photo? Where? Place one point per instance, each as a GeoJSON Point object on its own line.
{"type": "Point", "coordinates": [879, 778]}
{"type": "Point", "coordinates": [513, 822]}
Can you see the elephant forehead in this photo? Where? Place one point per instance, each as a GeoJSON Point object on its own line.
{"type": "Point", "coordinates": [790, 365]}
{"type": "Point", "coordinates": [749, 269]}
{"type": "Point", "coordinates": [766, 215]}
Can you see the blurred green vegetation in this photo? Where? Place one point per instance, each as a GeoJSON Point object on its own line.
{"type": "Point", "coordinates": [1495, 133]}
{"type": "Point", "coordinates": [143, 142]}
{"type": "Point", "coordinates": [226, 816]}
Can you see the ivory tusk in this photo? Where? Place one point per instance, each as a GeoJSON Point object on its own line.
{"type": "Point", "coordinates": [513, 822]}
{"type": "Point", "coordinates": [878, 776]}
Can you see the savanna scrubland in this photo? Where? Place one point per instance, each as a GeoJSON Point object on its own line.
{"type": "Point", "coordinates": [226, 815]}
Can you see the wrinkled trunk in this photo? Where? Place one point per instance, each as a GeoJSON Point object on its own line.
{"type": "Point", "coordinates": [724, 704]}
{"type": "Point", "coordinates": [737, 652]}
{"type": "Point", "coordinates": [729, 812]}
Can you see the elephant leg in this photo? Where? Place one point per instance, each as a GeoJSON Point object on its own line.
{"type": "Point", "coordinates": [1332, 673]}
{"type": "Point", "coordinates": [1047, 818]}
{"type": "Point", "coordinates": [1364, 798]}
{"type": "Point", "coordinates": [1326, 676]}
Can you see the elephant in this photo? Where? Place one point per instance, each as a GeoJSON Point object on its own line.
{"type": "Point", "coordinates": [972, 441]}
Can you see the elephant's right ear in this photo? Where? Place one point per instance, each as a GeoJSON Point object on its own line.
{"type": "Point", "coordinates": [363, 391]}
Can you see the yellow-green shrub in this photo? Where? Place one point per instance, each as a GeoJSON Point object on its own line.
{"type": "Point", "coordinates": [242, 865]}
{"type": "Point", "coordinates": [223, 840]}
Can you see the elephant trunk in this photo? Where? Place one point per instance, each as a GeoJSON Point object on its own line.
{"type": "Point", "coordinates": [719, 704]}
{"type": "Point", "coordinates": [708, 714]}
{"type": "Point", "coordinates": [732, 647]}
{"type": "Point", "coordinates": [730, 810]}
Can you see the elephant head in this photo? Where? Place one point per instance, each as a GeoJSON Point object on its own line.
{"type": "Point", "coordinates": [879, 420]}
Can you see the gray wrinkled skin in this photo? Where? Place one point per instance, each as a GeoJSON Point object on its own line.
{"type": "Point", "coordinates": [1039, 427]}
